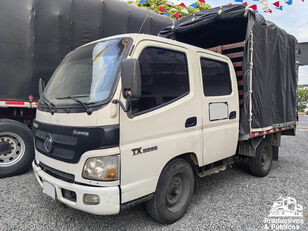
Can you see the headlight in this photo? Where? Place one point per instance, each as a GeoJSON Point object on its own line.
{"type": "Point", "coordinates": [103, 168]}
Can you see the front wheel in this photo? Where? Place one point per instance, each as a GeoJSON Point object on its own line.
{"type": "Point", "coordinates": [261, 164]}
{"type": "Point", "coordinates": [173, 193]}
{"type": "Point", "coordinates": [16, 148]}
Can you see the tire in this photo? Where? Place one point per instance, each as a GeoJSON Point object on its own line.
{"type": "Point", "coordinates": [16, 148]}
{"type": "Point", "coordinates": [173, 192]}
{"type": "Point", "coordinates": [261, 164]}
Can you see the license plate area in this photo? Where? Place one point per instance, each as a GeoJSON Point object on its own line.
{"type": "Point", "coordinates": [49, 189]}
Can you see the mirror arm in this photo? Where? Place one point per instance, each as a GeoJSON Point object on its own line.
{"type": "Point", "coordinates": [125, 109]}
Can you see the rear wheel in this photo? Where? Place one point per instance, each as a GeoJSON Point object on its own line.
{"type": "Point", "coordinates": [173, 193]}
{"type": "Point", "coordinates": [261, 164]}
{"type": "Point", "coordinates": [16, 148]}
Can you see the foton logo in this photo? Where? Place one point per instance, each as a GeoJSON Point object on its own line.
{"type": "Point", "coordinates": [82, 133]}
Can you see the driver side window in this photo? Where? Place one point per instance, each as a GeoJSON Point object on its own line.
{"type": "Point", "coordinates": [164, 78]}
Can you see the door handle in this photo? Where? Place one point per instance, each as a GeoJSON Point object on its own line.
{"type": "Point", "coordinates": [191, 122]}
{"type": "Point", "coordinates": [232, 115]}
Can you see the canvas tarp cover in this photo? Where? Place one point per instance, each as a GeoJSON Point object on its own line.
{"type": "Point", "coordinates": [35, 35]}
{"type": "Point", "coordinates": [274, 73]}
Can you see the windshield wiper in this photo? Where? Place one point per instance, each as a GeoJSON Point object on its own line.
{"type": "Point", "coordinates": [48, 104]}
{"type": "Point", "coordinates": [89, 112]}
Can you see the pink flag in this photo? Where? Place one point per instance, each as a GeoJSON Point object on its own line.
{"type": "Point", "coordinates": [254, 7]}
{"type": "Point", "coordinates": [177, 15]}
{"type": "Point", "coordinates": [277, 4]}
{"type": "Point", "coordinates": [161, 9]}
{"type": "Point", "coordinates": [182, 4]}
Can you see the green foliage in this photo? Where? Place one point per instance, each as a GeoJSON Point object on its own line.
{"type": "Point", "coordinates": [153, 5]}
{"type": "Point", "coordinates": [301, 107]}
{"type": "Point", "coordinates": [302, 95]}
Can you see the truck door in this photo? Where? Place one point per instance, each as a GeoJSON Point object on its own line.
{"type": "Point", "coordinates": [154, 131]}
{"type": "Point", "coordinates": [220, 108]}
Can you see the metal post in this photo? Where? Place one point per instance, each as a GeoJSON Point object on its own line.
{"type": "Point", "coordinates": [250, 81]}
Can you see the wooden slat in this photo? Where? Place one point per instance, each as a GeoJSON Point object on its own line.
{"type": "Point", "coordinates": [235, 55]}
{"type": "Point", "coordinates": [237, 64]}
{"type": "Point", "coordinates": [232, 46]}
{"type": "Point", "coordinates": [239, 73]}
{"type": "Point", "coordinates": [226, 47]}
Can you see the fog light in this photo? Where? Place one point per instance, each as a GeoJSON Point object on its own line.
{"type": "Point", "coordinates": [90, 199]}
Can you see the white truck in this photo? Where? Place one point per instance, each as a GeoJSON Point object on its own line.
{"type": "Point", "coordinates": [102, 151]}
{"type": "Point", "coordinates": [135, 118]}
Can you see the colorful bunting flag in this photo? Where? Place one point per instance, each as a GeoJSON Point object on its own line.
{"type": "Point", "coordinates": [143, 1]}
{"type": "Point", "coordinates": [245, 3]}
{"type": "Point", "coordinates": [277, 4]}
{"type": "Point", "coordinates": [182, 4]}
{"type": "Point", "coordinates": [203, 1]}
{"type": "Point", "coordinates": [289, 2]}
{"type": "Point", "coordinates": [177, 15]}
{"type": "Point", "coordinates": [254, 7]}
{"type": "Point", "coordinates": [279, 8]}
{"type": "Point", "coordinates": [166, 14]}
{"type": "Point", "coordinates": [193, 5]}
{"type": "Point", "coordinates": [173, 9]}
{"type": "Point", "coordinates": [161, 9]}
{"type": "Point", "coordinates": [241, 1]}
{"type": "Point", "coordinates": [185, 11]}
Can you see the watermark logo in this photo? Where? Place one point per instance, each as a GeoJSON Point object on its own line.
{"type": "Point", "coordinates": [285, 214]}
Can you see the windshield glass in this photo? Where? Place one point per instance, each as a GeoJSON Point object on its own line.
{"type": "Point", "coordinates": [88, 74]}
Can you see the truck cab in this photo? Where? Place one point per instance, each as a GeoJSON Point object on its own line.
{"type": "Point", "coordinates": [134, 118]}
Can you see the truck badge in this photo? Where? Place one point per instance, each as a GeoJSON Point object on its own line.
{"type": "Point", "coordinates": [137, 151]}
{"type": "Point", "coordinates": [48, 143]}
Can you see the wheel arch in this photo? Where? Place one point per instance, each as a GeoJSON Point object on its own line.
{"type": "Point", "coordinates": [189, 157]}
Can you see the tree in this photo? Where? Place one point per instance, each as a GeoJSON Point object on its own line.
{"type": "Point", "coordinates": [154, 5]}
{"type": "Point", "coordinates": [302, 95]}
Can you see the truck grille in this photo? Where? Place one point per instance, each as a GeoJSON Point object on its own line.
{"type": "Point", "coordinates": [69, 143]}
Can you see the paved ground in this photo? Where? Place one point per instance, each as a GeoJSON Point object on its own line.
{"type": "Point", "coordinates": [231, 200]}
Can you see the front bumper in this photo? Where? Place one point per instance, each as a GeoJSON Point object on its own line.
{"type": "Point", "coordinates": [109, 196]}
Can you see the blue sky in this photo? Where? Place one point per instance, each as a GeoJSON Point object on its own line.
{"type": "Point", "coordinates": [293, 18]}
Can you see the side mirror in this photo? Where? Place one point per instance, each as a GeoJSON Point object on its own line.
{"type": "Point", "coordinates": [131, 79]}
{"type": "Point", "coordinates": [41, 87]}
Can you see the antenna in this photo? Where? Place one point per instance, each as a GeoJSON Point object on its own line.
{"type": "Point", "coordinates": [144, 22]}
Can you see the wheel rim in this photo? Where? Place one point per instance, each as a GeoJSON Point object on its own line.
{"type": "Point", "coordinates": [12, 149]}
{"type": "Point", "coordinates": [177, 192]}
{"type": "Point", "coordinates": [265, 159]}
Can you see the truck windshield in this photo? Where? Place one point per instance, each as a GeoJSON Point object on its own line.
{"type": "Point", "coordinates": [88, 74]}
